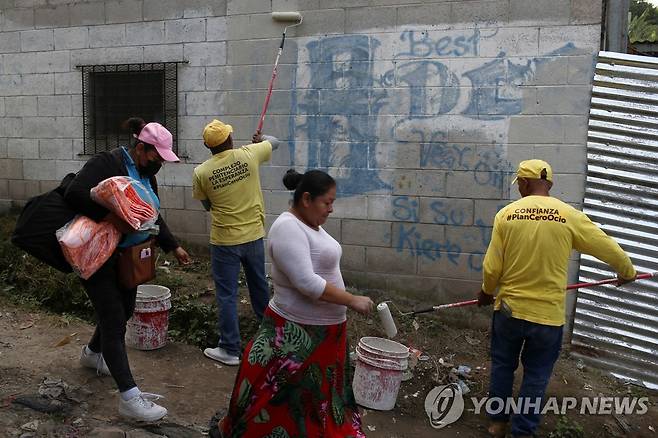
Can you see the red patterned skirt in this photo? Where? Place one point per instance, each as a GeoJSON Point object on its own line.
{"type": "Point", "coordinates": [294, 381]}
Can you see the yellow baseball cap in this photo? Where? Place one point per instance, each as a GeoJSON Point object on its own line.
{"type": "Point", "coordinates": [532, 169]}
{"type": "Point", "coordinates": [216, 133]}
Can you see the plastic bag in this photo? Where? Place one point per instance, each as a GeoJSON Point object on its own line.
{"type": "Point", "coordinates": [87, 244]}
{"type": "Point", "coordinates": [129, 199]}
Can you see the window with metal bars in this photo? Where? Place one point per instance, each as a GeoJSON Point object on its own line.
{"type": "Point", "coordinates": [113, 93]}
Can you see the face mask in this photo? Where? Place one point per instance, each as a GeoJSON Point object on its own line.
{"type": "Point", "coordinates": [150, 169]}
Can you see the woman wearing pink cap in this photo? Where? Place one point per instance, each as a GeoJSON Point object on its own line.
{"type": "Point", "coordinates": [114, 305]}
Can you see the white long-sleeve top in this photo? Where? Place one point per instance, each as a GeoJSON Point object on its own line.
{"type": "Point", "coordinates": [303, 261]}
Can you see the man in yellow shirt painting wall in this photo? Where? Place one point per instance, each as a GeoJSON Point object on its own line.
{"type": "Point", "coordinates": [527, 261]}
{"type": "Point", "coordinates": [228, 186]}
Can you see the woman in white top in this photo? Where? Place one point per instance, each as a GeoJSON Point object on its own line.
{"type": "Point", "coordinates": [294, 378]}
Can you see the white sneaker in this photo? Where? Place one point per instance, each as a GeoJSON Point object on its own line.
{"type": "Point", "coordinates": [141, 408]}
{"type": "Point", "coordinates": [220, 355]}
{"type": "Point", "coordinates": [95, 361]}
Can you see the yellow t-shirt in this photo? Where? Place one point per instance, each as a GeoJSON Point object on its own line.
{"type": "Point", "coordinates": [529, 251]}
{"type": "Point", "coordinates": [230, 181]}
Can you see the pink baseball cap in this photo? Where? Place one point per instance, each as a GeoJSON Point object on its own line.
{"type": "Point", "coordinates": [157, 135]}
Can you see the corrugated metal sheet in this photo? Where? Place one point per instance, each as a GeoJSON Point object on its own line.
{"type": "Point", "coordinates": [616, 329]}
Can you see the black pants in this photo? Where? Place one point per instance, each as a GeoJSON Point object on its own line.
{"type": "Point", "coordinates": [113, 306]}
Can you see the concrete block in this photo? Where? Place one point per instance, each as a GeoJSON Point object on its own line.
{"type": "Point", "coordinates": [123, 11]}
{"type": "Point", "coordinates": [486, 209]}
{"type": "Point", "coordinates": [467, 184]}
{"type": "Point", "coordinates": [10, 85]}
{"type": "Point", "coordinates": [21, 148]}
{"type": "Point", "coordinates": [586, 12]}
{"type": "Point", "coordinates": [536, 129]}
{"type": "Point", "coordinates": [353, 258]}
{"type": "Point", "coordinates": [4, 194]}
{"type": "Point", "coordinates": [191, 78]}
{"type": "Point", "coordinates": [276, 202]}
{"type": "Point", "coordinates": [38, 170]}
{"type": "Point", "coordinates": [38, 62]}
{"type": "Point", "coordinates": [178, 174]}
{"type": "Point", "coordinates": [298, 5]}
{"type": "Point", "coordinates": [333, 228]}
{"type": "Point", "coordinates": [366, 233]}
{"type": "Point", "coordinates": [472, 240]}
{"type": "Point", "coordinates": [163, 53]}
{"type": "Point", "coordinates": [569, 187]}
{"type": "Point", "coordinates": [386, 208]}
{"type": "Point", "coordinates": [189, 202]}
{"type": "Point", "coordinates": [54, 105]}
{"type": "Point", "coordinates": [185, 221]}
{"type": "Point", "coordinates": [271, 176]}
{"type": "Point", "coordinates": [205, 54]}
{"type": "Point", "coordinates": [21, 106]}
{"type": "Point", "coordinates": [37, 84]}
{"type": "Point", "coordinates": [2, 114]}
{"type": "Point", "coordinates": [321, 22]}
{"type": "Point", "coordinates": [237, 7]}
{"type": "Point", "coordinates": [582, 40]}
{"type": "Point", "coordinates": [68, 83]}
{"type": "Point", "coordinates": [64, 167]}
{"type": "Point", "coordinates": [52, 17]}
{"type": "Point", "coordinates": [446, 211]}
{"type": "Point", "coordinates": [172, 197]}
{"type": "Point", "coordinates": [108, 55]}
{"type": "Point", "coordinates": [419, 239]}
{"type": "Point", "coordinates": [486, 13]}
{"type": "Point", "coordinates": [550, 71]}
{"type": "Point", "coordinates": [244, 52]}
{"type": "Point", "coordinates": [250, 102]}
{"type": "Point", "coordinates": [185, 31]}
{"type": "Point", "coordinates": [84, 14]}
{"type": "Point", "coordinates": [436, 15]}
{"type": "Point", "coordinates": [390, 261]}
{"type": "Point", "coordinates": [352, 207]}
{"type": "Point", "coordinates": [11, 126]}
{"type": "Point", "coordinates": [17, 19]}
{"type": "Point", "coordinates": [203, 103]}
{"type": "Point", "coordinates": [191, 127]}
{"type": "Point", "coordinates": [512, 41]}
{"type": "Point", "coordinates": [216, 77]}
{"type": "Point", "coordinates": [367, 19]}
{"type": "Point", "coordinates": [254, 26]}
{"type": "Point", "coordinates": [145, 33]}
{"type": "Point", "coordinates": [56, 149]}
{"type": "Point", "coordinates": [539, 11]}
{"type": "Point", "coordinates": [53, 127]}
{"type": "Point", "coordinates": [111, 35]}
{"type": "Point", "coordinates": [46, 186]}
{"type": "Point", "coordinates": [575, 129]}
{"type": "Point", "coordinates": [431, 183]}
{"type": "Point", "coordinates": [13, 169]}
{"type": "Point", "coordinates": [564, 158]}
{"type": "Point", "coordinates": [76, 105]}
{"type": "Point", "coordinates": [172, 9]}
{"type": "Point", "coordinates": [564, 100]}
{"type": "Point", "coordinates": [37, 40]}
{"type": "Point", "coordinates": [23, 190]}
{"type": "Point", "coordinates": [10, 42]}
{"type": "Point", "coordinates": [581, 69]}
{"type": "Point", "coordinates": [216, 29]}
{"type": "Point", "coordinates": [72, 38]}
{"type": "Point", "coordinates": [451, 265]}
{"type": "Point", "coordinates": [397, 155]}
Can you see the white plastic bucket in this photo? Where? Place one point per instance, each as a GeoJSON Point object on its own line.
{"type": "Point", "coordinates": [380, 364]}
{"type": "Point", "coordinates": [147, 329]}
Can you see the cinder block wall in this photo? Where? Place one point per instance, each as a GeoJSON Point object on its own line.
{"type": "Point", "coordinates": [420, 109]}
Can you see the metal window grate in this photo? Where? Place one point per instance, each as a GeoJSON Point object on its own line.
{"type": "Point", "coordinates": [113, 93]}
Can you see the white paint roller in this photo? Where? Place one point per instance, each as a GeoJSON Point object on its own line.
{"type": "Point", "coordinates": [387, 320]}
{"type": "Point", "coordinates": [286, 16]}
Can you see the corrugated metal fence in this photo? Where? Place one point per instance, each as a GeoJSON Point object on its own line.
{"type": "Point", "coordinates": [617, 328]}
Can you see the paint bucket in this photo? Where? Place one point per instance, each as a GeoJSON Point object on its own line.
{"type": "Point", "coordinates": [380, 364]}
{"type": "Point", "coordinates": [147, 329]}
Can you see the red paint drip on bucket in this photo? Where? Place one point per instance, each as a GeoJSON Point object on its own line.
{"type": "Point", "coordinates": [147, 329]}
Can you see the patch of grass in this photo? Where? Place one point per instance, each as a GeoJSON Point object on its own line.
{"type": "Point", "coordinates": [566, 428]}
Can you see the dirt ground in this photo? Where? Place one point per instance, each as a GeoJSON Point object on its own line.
{"type": "Point", "coordinates": [195, 387]}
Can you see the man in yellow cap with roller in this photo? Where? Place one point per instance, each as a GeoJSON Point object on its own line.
{"type": "Point", "coordinates": [228, 186]}
{"type": "Point", "coordinates": [527, 261]}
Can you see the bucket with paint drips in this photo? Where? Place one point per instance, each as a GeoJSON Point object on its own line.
{"type": "Point", "coordinates": [380, 364]}
{"type": "Point", "coordinates": [147, 329]}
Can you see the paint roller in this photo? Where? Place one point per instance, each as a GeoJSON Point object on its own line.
{"type": "Point", "coordinates": [285, 17]}
{"type": "Point", "coordinates": [391, 330]}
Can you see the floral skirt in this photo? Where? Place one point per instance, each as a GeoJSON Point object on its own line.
{"type": "Point", "coordinates": [294, 381]}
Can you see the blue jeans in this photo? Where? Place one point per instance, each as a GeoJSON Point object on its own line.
{"type": "Point", "coordinates": [539, 347]}
{"type": "Point", "coordinates": [226, 261]}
